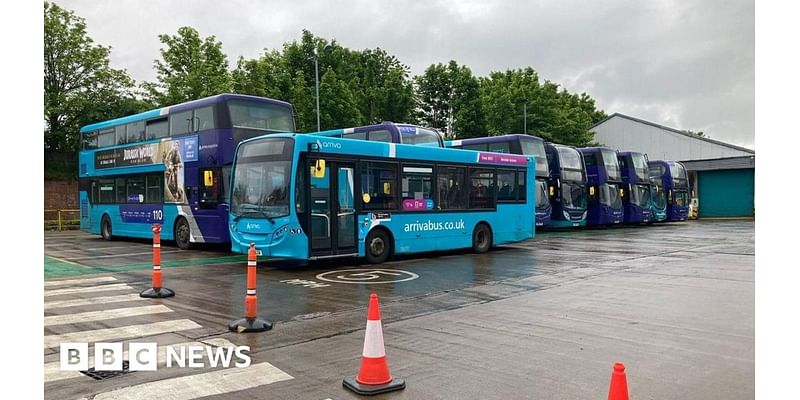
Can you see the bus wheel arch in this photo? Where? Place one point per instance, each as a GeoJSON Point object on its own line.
{"type": "Point", "coordinates": [378, 245]}
{"type": "Point", "coordinates": [482, 237]}
{"type": "Point", "coordinates": [106, 231]}
{"type": "Point", "coordinates": [182, 234]}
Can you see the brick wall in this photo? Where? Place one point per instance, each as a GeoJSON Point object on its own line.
{"type": "Point", "coordinates": [60, 195]}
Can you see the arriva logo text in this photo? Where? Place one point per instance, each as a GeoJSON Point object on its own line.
{"type": "Point", "coordinates": [253, 226]}
{"type": "Point", "coordinates": [329, 145]}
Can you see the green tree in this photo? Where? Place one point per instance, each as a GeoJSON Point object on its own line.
{"type": "Point", "coordinates": [337, 105]}
{"type": "Point", "coordinates": [191, 67]}
{"type": "Point", "coordinates": [516, 100]}
{"type": "Point", "coordinates": [79, 85]}
{"type": "Point", "coordinates": [448, 99]}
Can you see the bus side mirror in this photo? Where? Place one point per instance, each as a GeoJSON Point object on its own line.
{"type": "Point", "coordinates": [319, 169]}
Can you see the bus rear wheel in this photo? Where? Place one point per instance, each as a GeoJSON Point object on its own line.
{"type": "Point", "coordinates": [182, 237]}
{"type": "Point", "coordinates": [105, 228]}
{"type": "Point", "coordinates": [377, 246]}
{"type": "Point", "coordinates": [481, 238]}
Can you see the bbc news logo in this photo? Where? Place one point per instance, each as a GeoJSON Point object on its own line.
{"type": "Point", "coordinates": [143, 356]}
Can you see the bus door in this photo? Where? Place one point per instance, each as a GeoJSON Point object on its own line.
{"type": "Point", "coordinates": [332, 205]}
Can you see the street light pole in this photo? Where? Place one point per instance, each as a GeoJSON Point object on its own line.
{"type": "Point", "coordinates": [525, 116]}
{"type": "Point", "coordinates": [316, 79]}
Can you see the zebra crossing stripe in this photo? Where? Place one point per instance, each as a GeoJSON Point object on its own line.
{"type": "Point", "coordinates": [124, 332]}
{"type": "Point", "coordinates": [200, 385]}
{"type": "Point", "coordinates": [67, 282]}
{"type": "Point", "coordinates": [53, 372]}
{"type": "Point", "coordinates": [95, 300]}
{"type": "Point", "coordinates": [87, 289]}
{"type": "Point", "coordinates": [105, 314]}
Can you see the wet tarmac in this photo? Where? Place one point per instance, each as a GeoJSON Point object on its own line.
{"type": "Point", "coordinates": [545, 318]}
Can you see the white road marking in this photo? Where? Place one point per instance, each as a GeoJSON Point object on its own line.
{"type": "Point", "coordinates": [87, 289]}
{"type": "Point", "coordinates": [104, 314]}
{"type": "Point", "coordinates": [125, 255]}
{"type": "Point", "coordinates": [94, 300]}
{"type": "Point", "coordinates": [135, 331]}
{"type": "Point", "coordinates": [51, 284]}
{"type": "Point", "coordinates": [201, 385]}
{"type": "Point", "coordinates": [53, 372]}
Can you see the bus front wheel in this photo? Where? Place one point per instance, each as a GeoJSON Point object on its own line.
{"type": "Point", "coordinates": [481, 238]}
{"type": "Point", "coordinates": [182, 237]}
{"type": "Point", "coordinates": [105, 228]}
{"type": "Point", "coordinates": [377, 246]}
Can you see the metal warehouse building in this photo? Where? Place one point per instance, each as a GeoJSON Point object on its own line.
{"type": "Point", "coordinates": [722, 175]}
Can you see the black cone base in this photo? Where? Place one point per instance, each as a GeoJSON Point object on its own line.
{"type": "Point", "coordinates": [250, 325]}
{"type": "Point", "coordinates": [157, 293]}
{"type": "Point", "coordinates": [369, 390]}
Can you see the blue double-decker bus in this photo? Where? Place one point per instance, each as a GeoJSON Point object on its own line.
{"type": "Point", "coordinates": [635, 186]}
{"type": "Point", "coordinates": [170, 166]}
{"type": "Point", "coordinates": [605, 191]}
{"type": "Point", "coordinates": [518, 144]}
{"type": "Point", "coordinates": [567, 186]}
{"type": "Point", "coordinates": [306, 197]}
{"type": "Point", "coordinates": [676, 186]}
{"type": "Point", "coordinates": [389, 132]}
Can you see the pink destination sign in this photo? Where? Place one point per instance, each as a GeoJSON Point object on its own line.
{"type": "Point", "coordinates": [497, 158]}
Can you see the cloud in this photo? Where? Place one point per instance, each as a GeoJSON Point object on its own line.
{"type": "Point", "coordinates": [685, 64]}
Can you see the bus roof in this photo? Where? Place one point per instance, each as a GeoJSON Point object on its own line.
{"type": "Point", "coordinates": [179, 107]}
{"type": "Point", "coordinates": [406, 151]}
{"type": "Point", "coordinates": [492, 139]}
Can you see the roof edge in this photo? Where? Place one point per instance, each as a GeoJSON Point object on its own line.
{"type": "Point", "coordinates": [678, 131]}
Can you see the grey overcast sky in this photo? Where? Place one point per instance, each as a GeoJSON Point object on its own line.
{"type": "Point", "coordinates": [684, 64]}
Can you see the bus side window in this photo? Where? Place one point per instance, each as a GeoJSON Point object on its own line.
{"type": "Point", "coordinates": [380, 136]}
{"type": "Point", "coordinates": [452, 193]}
{"type": "Point", "coordinates": [378, 179]}
{"type": "Point", "coordinates": [157, 129]}
{"type": "Point", "coordinates": [482, 188]}
{"type": "Point", "coordinates": [506, 185]}
{"type": "Point", "coordinates": [106, 137]}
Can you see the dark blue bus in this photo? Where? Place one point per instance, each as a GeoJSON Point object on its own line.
{"type": "Point", "coordinates": [676, 185]}
{"type": "Point", "coordinates": [170, 166]}
{"type": "Point", "coordinates": [389, 132]}
{"type": "Point", "coordinates": [567, 186]}
{"type": "Point", "coordinates": [523, 145]}
{"type": "Point", "coordinates": [635, 186]}
{"type": "Point", "coordinates": [605, 191]}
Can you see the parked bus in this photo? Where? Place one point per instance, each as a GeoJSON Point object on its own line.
{"type": "Point", "coordinates": [389, 132]}
{"type": "Point", "coordinates": [170, 166]}
{"type": "Point", "coordinates": [304, 197]}
{"type": "Point", "coordinates": [635, 186]}
{"type": "Point", "coordinates": [567, 186]}
{"type": "Point", "coordinates": [605, 191]}
{"type": "Point", "coordinates": [658, 196]}
{"type": "Point", "coordinates": [523, 145]}
{"type": "Point", "coordinates": [676, 185]}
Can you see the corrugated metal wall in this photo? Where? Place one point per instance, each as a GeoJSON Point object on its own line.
{"type": "Point", "coordinates": [660, 144]}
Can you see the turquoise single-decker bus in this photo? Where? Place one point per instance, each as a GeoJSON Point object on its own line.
{"type": "Point", "coordinates": [170, 166]}
{"type": "Point", "coordinates": [306, 197]}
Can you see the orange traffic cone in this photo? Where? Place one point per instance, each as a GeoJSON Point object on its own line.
{"type": "Point", "coordinates": [251, 322]}
{"type": "Point", "coordinates": [157, 292]}
{"type": "Point", "coordinates": [619, 383]}
{"type": "Point", "coordinates": [373, 377]}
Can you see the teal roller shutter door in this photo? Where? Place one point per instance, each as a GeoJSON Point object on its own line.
{"type": "Point", "coordinates": [726, 193]}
